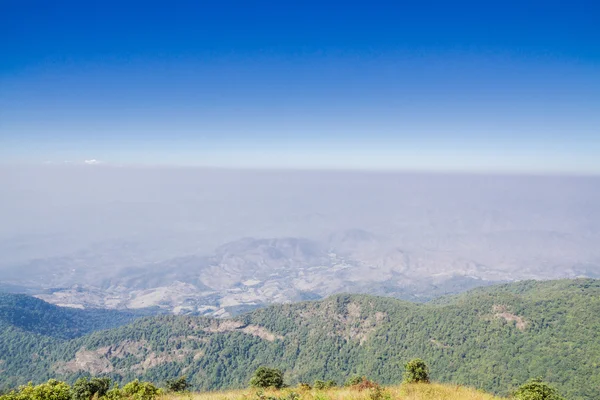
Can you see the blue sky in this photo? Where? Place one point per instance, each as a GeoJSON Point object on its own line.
{"type": "Point", "coordinates": [475, 86]}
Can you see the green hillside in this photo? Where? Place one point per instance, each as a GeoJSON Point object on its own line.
{"type": "Point", "coordinates": [36, 316]}
{"type": "Point", "coordinates": [492, 338]}
{"type": "Point", "coordinates": [31, 328]}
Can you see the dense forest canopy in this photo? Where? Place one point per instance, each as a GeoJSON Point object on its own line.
{"type": "Point", "coordinates": [493, 338]}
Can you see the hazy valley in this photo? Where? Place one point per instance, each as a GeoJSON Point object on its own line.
{"type": "Point", "coordinates": [219, 242]}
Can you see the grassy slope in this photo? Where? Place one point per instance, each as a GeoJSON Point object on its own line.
{"type": "Point", "coordinates": [403, 392]}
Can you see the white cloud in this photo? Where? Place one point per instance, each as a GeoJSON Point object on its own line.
{"type": "Point", "coordinates": [92, 162]}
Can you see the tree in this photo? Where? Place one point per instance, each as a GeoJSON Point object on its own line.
{"type": "Point", "coordinates": [535, 389]}
{"type": "Point", "coordinates": [85, 389]}
{"type": "Point", "coordinates": [51, 390]}
{"type": "Point", "coordinates": [265, 377]}
{"type": "Point", "coordinates": [141, 390]}
{"type": "Point", "coordinates": [353, 381]}
{"type": "Point", "coordinates": [416, 371]}
{"type": "Point", "coordinates": [177, 385]}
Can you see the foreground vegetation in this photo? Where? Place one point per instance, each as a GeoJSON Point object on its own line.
{"type": "Point", "coordinates": [268, 384]}
{"type": "Point", "coordinates": [402, 392]}
{"type": "Point", "coordinates": [494, 339]}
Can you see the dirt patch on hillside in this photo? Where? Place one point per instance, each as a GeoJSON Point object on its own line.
{"type": "Point", "coordinates": [353, 324]}
{"type": "Point", "coordinates": [439, 344]}
{"type": "Point", "coordinates": [127, 347]}
{"type": "Point", "coordinates": [153, 359]}
{"type": "Point", "coordinates": [222, 326]}
{"type": "Point", "coordinates": [261, 332]}
{"type": "Point", "coordinates": [92, 361]}
{"type": "Point", "coordinates": [98, 361]}
{"type": "Point", "coordinates": [501, 311]}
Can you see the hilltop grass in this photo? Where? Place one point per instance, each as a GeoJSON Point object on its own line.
{"type": "Point", "coordinates": [403, 392]}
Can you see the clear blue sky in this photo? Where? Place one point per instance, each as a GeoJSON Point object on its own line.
{"type": "Point", "coordinates": [435, 85]}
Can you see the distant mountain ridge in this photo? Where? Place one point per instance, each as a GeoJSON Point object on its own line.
{"type": "Point", "coordinates": [493, 338]}
{"type": "Point", "coordinates": [250, 273]}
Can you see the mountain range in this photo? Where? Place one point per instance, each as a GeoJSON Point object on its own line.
{"type": "Point", "coordinates": [493, 338]}
{"type": "Point", "coordinates": [251, 273]}
{"type": "Point", "coordinates": [221, 242]}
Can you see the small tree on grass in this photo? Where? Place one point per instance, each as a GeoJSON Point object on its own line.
{"type": "Point", "coordinates": [304, 386]}
{"type": "Point", "coordinates": [141, 390]}
{"type": "Point", "coordinates": [353, 381]}
{"type": "Point", "coordinates": [535, 389]}
{"type": "Point", "coordinates": [51, 390]}
{"type": "Point", "coordinates": [85, 389]}
{"type": "Point", "coordinates": [416, 371]}
{"type": "Point", "coordinates": [265, 377]}
{"type": "Point", "coordinates": [177, 385]}
{"type": "Point", "coordinates": [319, 385]}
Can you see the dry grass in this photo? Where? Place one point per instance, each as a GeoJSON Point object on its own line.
{"type": "Point", "coordinates": [404, 392]}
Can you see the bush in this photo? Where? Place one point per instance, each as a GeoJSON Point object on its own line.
{"type": "Point", "coordinates": [416, 371]}
{"type": "Point", "coordinates": [260, 395]}
{"type": "Point", "coordinates": [304, 386]}
{"type": "Point", "coordinates": [265, 377]}
{"type": "Point", "coordinates": [535, 389]}
{"type": "Point", "coordinates": [115, 393]}
{"type": "Point", "coordinates": [177, 385]}
{"type": "Point", "coordinates": [353, 381]}
{"type": "Point", "coordinates": [366, 384]}
{"type": "Point", "coordinates": [141, 390]}
{"type": "Point", "coordinates": [85, 389]}
{"type": "Point", "coordinates": [377, 393]}
{"type": "Point", "coordinates": [51, 390]}
{"type": "Point", "coordinates": [361, 383]}
{"type": "Point", "coordinates": [319, 385]}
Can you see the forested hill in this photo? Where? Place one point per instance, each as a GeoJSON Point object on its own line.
{"type": "Point", "coordinates": [36, 316]}
{"type": "Point", "coordinates": [493, 338]}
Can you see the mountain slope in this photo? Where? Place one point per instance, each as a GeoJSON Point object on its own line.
{"type": "Point", "coordinates": [493, 338]}
{"type": "Point", "coordinates": [31, 327]}
{"type": "Point", "coordinates": [36, 316]}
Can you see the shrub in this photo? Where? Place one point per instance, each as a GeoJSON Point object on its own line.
{"type": "Point", "coordinates": [353, 381]}
{"type": "Point", "coordinates": [535, 389]}
{"type": "Point", "coordinates": [304, 386]}
{"type": "Point", "coordinates": [361, 383]}
{"type": "Point", "coordinates": [366, 384]}
{"type": "Point", "coordinates": [115, 393]}
{"type": "Point", "coordinates": [177, 385]}
{"type": "Point", "coordinates": [377, 393]}
{"type": "Point", "coordinates": [85, 389]}
{"type": "Point", "coordinates": [260, 395]}
{"type": "Point", "coordinates": [416, 371]}
{"type": "Point", "coordinates": [319, 385]}
{"type": "Point", "coordinates": [265, 377]}
{"type": "Point", "coordinates": [141, 390]}
{"type": "Point", "coordinates": [51, 390]}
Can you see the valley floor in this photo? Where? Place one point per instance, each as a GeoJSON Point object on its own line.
{"type": "Point", "coordinates": [402, 392]}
